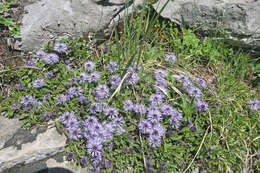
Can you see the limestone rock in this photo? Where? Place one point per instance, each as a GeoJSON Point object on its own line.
{"type": "Point", "coordinates": [240, 19]}
{"type": "Point", "coordinates": [48, 20]}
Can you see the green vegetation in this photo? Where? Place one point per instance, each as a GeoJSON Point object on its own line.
{"type": "Point", "coordinates": [222, 138]}
{"type": "Point", "coordinates": [7, 21]}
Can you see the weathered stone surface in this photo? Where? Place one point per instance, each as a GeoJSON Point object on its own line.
{"type": "Point", "coordinates": [29, 147]}
{"type": "Point", "coordinates": [240, 19]}
{"type": "Point", "coordinates": [47, 20]}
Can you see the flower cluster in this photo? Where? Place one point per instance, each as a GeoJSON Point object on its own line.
{"type": "Point", "coordinates": [171, 58]}
{"type": "Point", "coordinates": [253, 104]}
{"type": "Point", "coordinates": [194, 91]}
{"type": "Point", "coordinates": [160, 81]}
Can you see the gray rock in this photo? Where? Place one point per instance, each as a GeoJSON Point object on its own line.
{"type": "Point", "coordinates": [22, 147]}
{"type": "Point", "coordinates": [48, 20]}
{"type": "Point", "coordinates": [240, 19]}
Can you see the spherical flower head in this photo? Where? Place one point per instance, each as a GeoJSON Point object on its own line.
{"type": "Point", "coordinates": [20, 87]}
{"type": "Point", "coordinates": [201, 105]}
{"type": "Point", "coordinates": [166, 110]}
{"type": "Point", "coordinates": [38, 83]}
{"type": "Point", "coordinates": [201, 82]}
{"type": "Point", "coordinates": [90, 122]}
{"type": "Point", "coordinates": [156, 99]}
{"type": "Point", "coordinates": [61, 99]}
{"type": "Point", "coordinates": [111, 112]}
{"type": "Point", "coordinates": [73, 92]}
{"type": "Point", "coordinates": [93, 77]}
{"type": "Point", "coordinates": [154, 115]}
{"type": "Point", "coordinates": [154, 141]}
{"type": "Point", "coordinates": [140, 109]}
{"type": "Point", "coordinates": [94, 147]}
{"type": "Point", "coordinates": [253, 104]}
{"type": "Point", "coordinates": [46, 97]}
{"type": "Point", "coordinates": [46, 114]}
{"type": "Point", "coordinates": [15, 107]}
{"type": "Point", "coordinates": [74, 133]}
{"type": "Point", "coordinates": [107, 164]}
{"type": "Point", "coordinates": [40, 54]}
{"type": "Point", "coordinates": [144, 126]}
{"type": "Point", "coordinates": [39, 104]}
{"type": "Point", "coordinates": [158, 130]}
{"type": "Point", "coordinates": [174, 122]}
{"type": "Point", "coordinates": [51, 59]}
{"type": "Point", "coordinates": [83, 77]}
{"type": "Point", "coordinates": [171, 58]}
{"type": "Point", "coordinates": [132, 78]}
{"type": "Point", "coordinates": [83, 161]}
{"type": "Point", "coordinates": [70, 156]}
{"type": "Point", "coordinates": [27, 100]}
{"type": "Point", "coordinates": [83, 100]}
{"type": "Point", "coordinates": [182, 78]}
{"type": "Point", "coordinates": [67, 116]}
{"type": "Point", "coordinates": [194, 92]}
{"type": "Point", "coordinates": [128, 105]}
{"type": "Point", "coordinates": [115, 80]}
{"type": "Point", "coordinates": [60, 47]}
{"type": "Point", "coordinates": [49, 75]}
{"type": "Point", "coordinates": [89, 66]}
{"type": "Point", "coordinates": [97, 107]}
{"type": "Point", "coordinates": [101, 91]}
{"type": "Point", "coordinates": [160, 74]}
{"type": "Point", "coordinates": [67, 61]}
{"type": "Point", "coordinates": [30, 63]}
{"type": "Point", "coordinates": [111, 66]}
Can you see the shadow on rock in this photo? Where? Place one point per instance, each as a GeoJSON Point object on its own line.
{"type": "Point", "coordinates": [54, 170]}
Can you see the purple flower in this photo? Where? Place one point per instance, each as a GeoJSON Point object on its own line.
{"type": "Point", "coordinates": [182, 79]}
{"type": "Point", "coordinates": [46, 97]}
{"type": "Point", "coordinates": [154, 115]}
{"type": "Point", "coordinates": [128, 105]}
{"type": "Point", "coordinates": [83, 161]}
{"type": "Point", "coordinates": [154, 141]}
{"type": "Point", "coordinates": [201, 105]}
{"type": "Point", "coordinates": [27, 100]}
{"type": "Point", "coordinates": [111, 112]}
{"type": "Point", "coordinates": [174, 122]}
{"type": "Point", "coordinates": [101, 91]}
{"type": "Point", "coordinates": [90, 122]}
{"type": "Point", "coordinates": [83, 100]}
{"type": "Point", "coordinates": [171, 58]}
{"type": "Point", "coordinates": [156, 99]}
{"type": "Point", "coordinates": [201, 82]}
{"type": "Point", "coordinates": [69, 68]}
{"type": "Point", "coordinates": [60, 47]}
{"type": "Point", "coordinates": [140, 109]}
{"type": "Point", "coordinates": [40, 54]}
{"type": "Point", "coordinates": [66, 116]}
{"type": "Point", "coordinates": [107, 50]}
{"type": "Point", "coordinates": [132, 78]}
{"type": "Point", "coordinates": [51, 58]}
{"type": "Point", "coordinates": [39, 104]}
{"type": "Point", "coordinates": [93, 77]}
{"type": "Point", "coordinates": [83, 77]}
{"type": "Point", "coordinates": [29, 63]}
{"type": "Point", "coordinates": [15, 107]}
{"type": "Point", "coordinates": [46, 114]}
{"type": "Point", "coordinates": [107, 164]}
{"type": "Point", "coordinates": [67, 61]}
{"type": "Point", "coordinates": [69, 156]}
{"type": "Point", "coordinates": [73, 92]}
{"type": "Point", "coordinates": [194, 92]}
{"type": "Point", "coordinates": [115, 80]}
{"type": "Point", "coordinates": [158, 130]}
{"type": "Point", "coordinates": [89, 66]}
{"type": "Point", "coordinates": [112, 66]}
{"type": "Point", "coordinates": [20, 87]}
{"type": "Point", "coordinates": [38, 83]}
{"type": "Point", "coordinates": [167, 110]}
{"type": "Point", "coordinates": [49, 75]}
{"type": "Point", "coordinates": [94, 147]}
{"type": "Point", "coordinates": [97, 107]}
{"type": "Point", "coordinates": [253, 104]}
{"type": "Point", "coordinates": [160, 74]}
{"type": "Point", "coordinates": [144, 126]}
{"type": "Point", "coordinates": [74, 133]}
{"type": "Point", "coordinates": [61, 99]}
